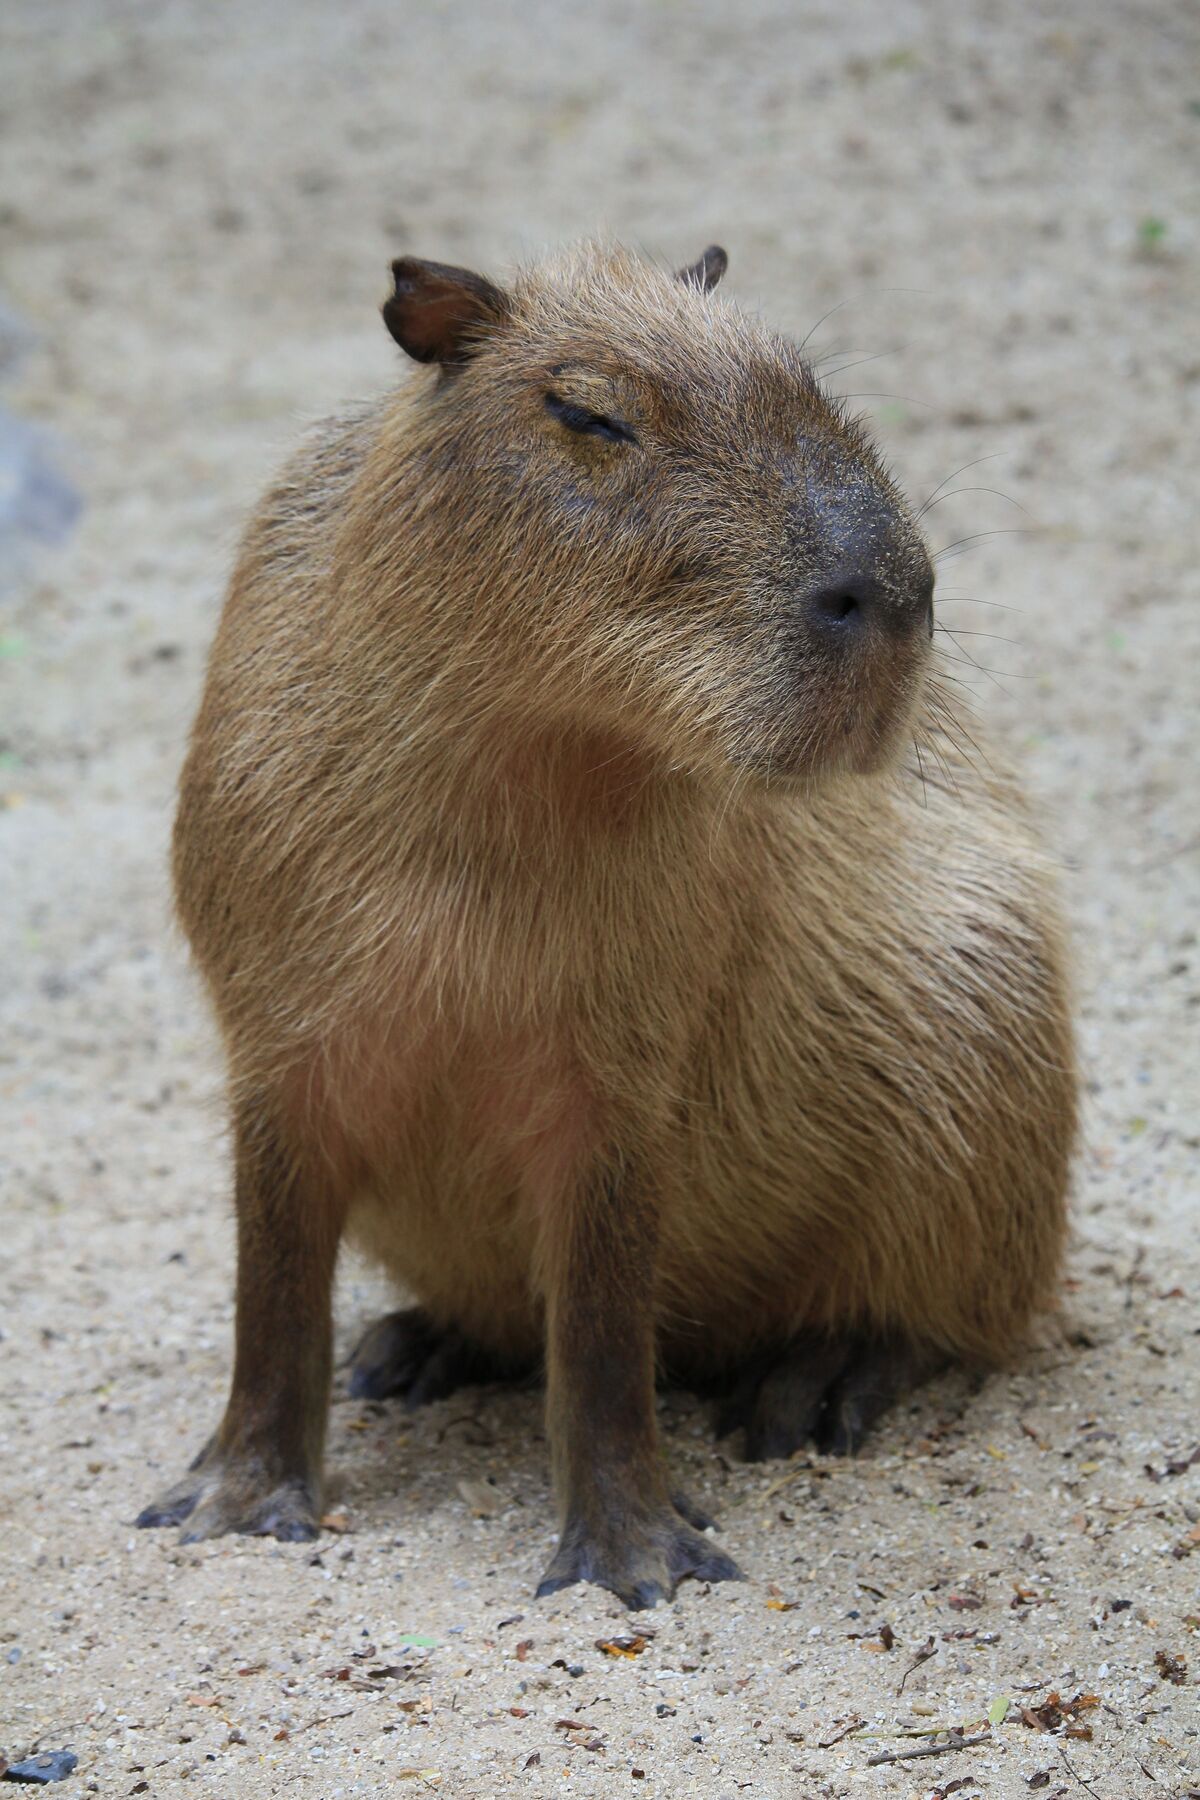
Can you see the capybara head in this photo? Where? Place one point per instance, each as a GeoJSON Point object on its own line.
{"type": "Point", "coordinates": [649, 497]}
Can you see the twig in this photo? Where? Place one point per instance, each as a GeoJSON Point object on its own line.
{"type": "Point", "coordinates": [322, 1719]}
{"type": "Point", "coordinates": [785, 1481]}
{"type": "Point", "coordinates": [955, 1743]}
{"type": "Point", "coordinates": [1071, 1770]}
{"type": "Point", "coordinates": [927, 1649]}
{"type": "Point", "coordinates": [854, 1725]}
{"type": "Point", "coordinates": [925, 1731]}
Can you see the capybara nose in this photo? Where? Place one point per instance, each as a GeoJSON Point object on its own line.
{"type": "Point", "coordinates": [872, 590]}
{"type": "Point", "coordinates": [872, 571]}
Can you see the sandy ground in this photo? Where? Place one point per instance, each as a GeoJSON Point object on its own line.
{"type": "Point", "coordinates": [197, 204]}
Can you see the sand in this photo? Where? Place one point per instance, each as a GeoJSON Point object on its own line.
{"type": "Point", "coordinates": [197, 205]}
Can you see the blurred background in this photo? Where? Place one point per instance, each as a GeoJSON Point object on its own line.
{"type": "Point", "coordinates": [994, 213]}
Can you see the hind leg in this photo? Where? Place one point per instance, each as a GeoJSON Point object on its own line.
{"type": "Point", "coordinates": [409, 1354]}
{"type": "Point", "coordinates": [828, 1390]}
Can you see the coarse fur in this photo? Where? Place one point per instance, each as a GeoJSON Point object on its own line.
{"type": "Point", "coordinates": [580, 944]}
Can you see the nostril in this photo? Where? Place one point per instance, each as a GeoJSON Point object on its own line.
{"type": "Point", "coordinates": [838, 606]}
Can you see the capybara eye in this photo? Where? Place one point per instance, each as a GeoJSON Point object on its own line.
{"type": "Point", "coordinates": [588, 424]}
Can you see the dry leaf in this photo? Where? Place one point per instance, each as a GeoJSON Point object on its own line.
{"type": "Point", "coordinates": [1055, 1713]}
{"type": "Point", "coordinates": [621, 1646]}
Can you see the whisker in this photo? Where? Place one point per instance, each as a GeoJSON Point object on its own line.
{"type": "Point", "coordinates": [875, 356]}
{"type": "Point", "coordinates": [944, 769]}
{"type": "Point", "coordinates": [908, 400]}
{"type": "Point", "coordinates": [968, 662]}
{"type": "Point", "coordinates": [961, 631]}
{"type": "Point", "coordinates": [723, 813]}
{"type": "Point", "coordinates": [953, 476]}
{"type": "Point", "coordinates": [992, 674]}
{"type": "Point", "coordinates": [862, 294]}
{"type": "Point", "coordinates": [944, 766]}
{"type": "Point", "coordinates": [955, 598]}
{"type": "Point", "coordinates": [921, 767]}
{"type": "Point", "coordinates": [974, 488]}
{"type": "Point", "coordinates": [953, 722]}
{"type": "Point", "coordinates": [975, 536]}
{"type": "Point", "coordinates": [811, 333]}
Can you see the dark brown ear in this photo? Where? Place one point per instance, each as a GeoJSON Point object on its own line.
{"type": "Point", "coordinates": [706, 273]}
{"type": "Point", "coordinates": [438, 313]}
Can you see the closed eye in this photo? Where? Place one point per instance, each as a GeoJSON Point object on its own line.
{"type": "Point", "coordinates": [588, 424]}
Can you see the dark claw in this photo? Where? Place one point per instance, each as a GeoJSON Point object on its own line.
{"type": "Point", "coordinates": [691, 1512]}
{"type": "Point", "coordinates": [406, 1353]}
{"type": "Point", "coordinates": [287, 1530]}
{"type": "Point", "coordinates": [640, 1562]}
{"type": "Point", "coordinates": [163, 1513]}
{"type": "Point", "coordinates": [791, 1399]}
{"type": "Point", "coordinates": [828, 1391]}
{"type": "Point", "coordinates": [874, 1380]}
{"type": "Point", "coordinates": [228, 1493]}
{"type": "Point", "coordinates": [391, 1355]}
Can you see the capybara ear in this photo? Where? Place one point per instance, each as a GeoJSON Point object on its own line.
{"type": "Point", "coordinates": [706, 273]}
{"type": "Point", "coordinates": [438, 313]}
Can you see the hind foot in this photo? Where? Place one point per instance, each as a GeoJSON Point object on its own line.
{"type": "Point", "coordinates": [823, 1389]}
{"type": "Point", "coordinates": [406, 1353]}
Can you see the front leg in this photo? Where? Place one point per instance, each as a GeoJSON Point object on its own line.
{"type": "Point", "coordinates": [261, 1472]}
{"type": "Point", "coordinates": [621, 1527]}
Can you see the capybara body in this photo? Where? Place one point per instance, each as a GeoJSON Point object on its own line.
{"type": "Point", "coordinates": [583, 943]}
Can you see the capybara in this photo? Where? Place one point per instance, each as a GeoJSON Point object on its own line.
{"type": "Point", "coordinates": [612, 923]}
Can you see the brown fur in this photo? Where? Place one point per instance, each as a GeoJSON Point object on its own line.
{"type": "Point", "coordinates": [574, 934]}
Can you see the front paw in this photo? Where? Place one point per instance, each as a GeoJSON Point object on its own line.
{"type": "Point", "coordinates": [223, 1492]}
{"type": "Point", "coordinates": [641, 1558]}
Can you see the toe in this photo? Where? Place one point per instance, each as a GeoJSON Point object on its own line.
{"type": "Point", "coordinates": [237, 1503]}
{"type": "Point", "coordinates": [391, 1354]}
{"type": "Point", "coordinates": [792, 1397]}
{"type": "Point", "coordinates": [448, 1367]}
{"type": "Point", "coordinates": [165, 1512]}
{"type": "Point", "coordinates": [690, 1555]}
{"type": "Point", "coordinates": [642, 1596]}
{"type": "Point", "coordinates": [694, 1514]}
{"type": "Point", "coordinates": [880, 1370]}
{"type": "Point", "coordinates": [289, 1528]}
